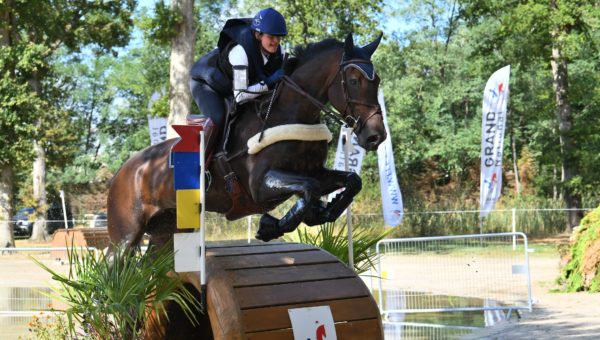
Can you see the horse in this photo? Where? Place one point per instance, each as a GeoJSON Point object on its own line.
{"type": "Point", "coordinates": [141, 197]}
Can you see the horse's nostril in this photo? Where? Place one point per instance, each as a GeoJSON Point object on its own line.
{"type": "Point", "coordinates": [373, 140]}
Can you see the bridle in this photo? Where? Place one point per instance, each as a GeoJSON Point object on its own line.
{"type": "Point", "coordinates": [347, 116]}
{"type": "Point", "coordinates": [350, 118]}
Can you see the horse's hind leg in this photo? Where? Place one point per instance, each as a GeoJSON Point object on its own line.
{"type": "Point", "coordinates": [161, 228]}
{"type": "Point", "coordinates": [279, 184]}
{"type": "Point", "coordinates": [125, 213]}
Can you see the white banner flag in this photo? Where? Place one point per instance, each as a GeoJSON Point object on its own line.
{"type": "Point", "coordinates": [158, 129]}
{"type": "Point", "coordinates": [355, 156]}
{"type": "Point", "coordinates": [391, 197]}
{"type": "Point", "coordinates": [495, 99]}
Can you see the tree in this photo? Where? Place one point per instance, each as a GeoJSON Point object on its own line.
{"type": "Point", "coordinates": [182, 53]}
{"type": "Point", "coordinates": [556, 32]}
{"type": "Point", "coordinates": [432, 98]}
{"type": "Point", "coordinates": [34, 32]}
{"type": "Point", "coordinates": [17, 106]}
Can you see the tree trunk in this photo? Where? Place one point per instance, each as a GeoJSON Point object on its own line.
{"type": "Point", "coordinates": [6, 172]}
{"type": "Point", "coordinates": [6, 192]}
{"type": "Point", "coordinates": [39, 232]}
{"type": "Point", "coordinates": [182, 52]}
{"type": "Point", "coordinates": [560, 81]}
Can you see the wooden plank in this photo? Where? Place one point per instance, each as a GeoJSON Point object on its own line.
{"type": "Point", "coordinates": [357, 330]}
{"type": "Point", "coordinates": [273, 318]}
{"type": "Point", "coordinates": [243, 250]}
{"type": "Point", "coordinates": [223, 311]}
{"type": "Point", "coordinates": [291, 293]}
{"type": "Point", "coordinates": [271, 260]}
{"type": "Point", "coordinates": [289, 274]}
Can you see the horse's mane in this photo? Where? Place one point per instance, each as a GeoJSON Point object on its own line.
{"type": "Point", "coordinates": [303, 53]}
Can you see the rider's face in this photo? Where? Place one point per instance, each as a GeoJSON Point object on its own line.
{"type": "Point", "coordinates": [268, 43]}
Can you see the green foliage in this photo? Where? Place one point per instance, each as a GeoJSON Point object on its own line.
{"type": "Point", "coordinates": [161, 27]}
{"type": "Point", "coordinates": [34, 106]}
{"type": "Point", "coordinates": [313, 20]}
{"type": "Point", "coordinates": [335, 241]}
{"type": "Point", "coordinates": [17, 105]}
{"type": "Point", "coordinates": [112, 297]}
{"type": "Point", "coordinates": [582, 272]}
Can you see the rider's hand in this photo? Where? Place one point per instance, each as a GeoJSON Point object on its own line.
{"type": "Point", "coordinates": [274, 78]}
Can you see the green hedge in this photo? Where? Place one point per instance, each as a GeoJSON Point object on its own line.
{"type": "Point", "coordinates": [582, 272]}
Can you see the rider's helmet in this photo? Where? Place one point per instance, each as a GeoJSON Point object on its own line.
{"type": "Point", "coordinates": [269, 21]}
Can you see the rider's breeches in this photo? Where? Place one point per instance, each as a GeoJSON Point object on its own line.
{"type": "Point", "coordinates": [209, 101]}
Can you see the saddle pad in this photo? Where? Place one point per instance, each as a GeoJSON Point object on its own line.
{"type": "Point", "coordinates": [279, 133]}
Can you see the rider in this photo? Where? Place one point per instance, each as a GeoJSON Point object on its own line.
{"type": "Point", "coordinates": [246, 63]}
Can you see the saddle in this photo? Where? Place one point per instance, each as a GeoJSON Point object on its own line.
{"type": "Point", "coordinates": [242, 203]}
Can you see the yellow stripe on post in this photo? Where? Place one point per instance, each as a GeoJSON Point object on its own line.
{"type": "Point", "coordinates": [188, 209]}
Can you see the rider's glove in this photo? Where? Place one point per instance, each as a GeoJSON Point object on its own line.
{"type": "Point", "coordinates": [272, 80]}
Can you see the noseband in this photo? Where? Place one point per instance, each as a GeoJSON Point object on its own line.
{"type": "Point", "coordinates": [347, 116]}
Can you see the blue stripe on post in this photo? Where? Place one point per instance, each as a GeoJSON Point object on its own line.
{"type": "Point", "coordinates": [186, 170]}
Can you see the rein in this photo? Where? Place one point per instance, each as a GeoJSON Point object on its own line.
{"type": "Point", "coordinates": [347, 117]}
{"type": "Point", "coordinates": [294, 86]}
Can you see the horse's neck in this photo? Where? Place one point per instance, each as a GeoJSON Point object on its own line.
{"type": "Point", "coordinates": [316, 74]}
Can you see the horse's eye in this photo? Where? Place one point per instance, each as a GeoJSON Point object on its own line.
{"type": "Point", "coordinates": [353, 82]}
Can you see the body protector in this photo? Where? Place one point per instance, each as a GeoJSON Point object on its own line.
{"type": "Point", "coordinates": [216, 69]}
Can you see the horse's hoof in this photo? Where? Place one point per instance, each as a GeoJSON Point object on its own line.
{"type": "Point", "coordinates": [316, 215]}
{"type": "Point", "coordinates": [268, 229]}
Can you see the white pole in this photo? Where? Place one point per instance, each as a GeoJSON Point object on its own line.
{"type": "Point", "coordinates": [481, 225]}
{"type": "Point", "coordinates": [249, 228]}
{"type": "Point", "coordinates": [347, 148]}
{"type": "Point", "coordinates": [62, 198]}
{"type": "Point", "coordinates": [514, 227]}
{"type": "Point", "coordinates": [202, 226]}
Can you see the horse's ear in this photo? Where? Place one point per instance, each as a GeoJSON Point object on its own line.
{"type": "Point", "coordinates": [371, 47]}
{"type": "Point", "coordinates": [348, 45]}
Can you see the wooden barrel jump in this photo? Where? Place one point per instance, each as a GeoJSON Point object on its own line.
{"type": "Point", "coordinates": [251, 287]}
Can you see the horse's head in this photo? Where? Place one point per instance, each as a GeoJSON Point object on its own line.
{"type": "Point", "coordinates": [354, 93]}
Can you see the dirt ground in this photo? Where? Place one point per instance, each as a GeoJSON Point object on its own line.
{"type": "Point", "coordinates": [554, 315]}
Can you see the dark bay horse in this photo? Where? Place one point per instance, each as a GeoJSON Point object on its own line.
{"type": "Point", "coordinates": [141, 196]}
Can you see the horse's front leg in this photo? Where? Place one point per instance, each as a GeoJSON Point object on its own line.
{"type": "Point", "coordinates": [278, 184]}
{"type": "Point", "coordinates": [330, 181]}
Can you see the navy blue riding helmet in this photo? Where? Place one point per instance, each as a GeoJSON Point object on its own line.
{"type": "Point", "coordinates": [269, 21]}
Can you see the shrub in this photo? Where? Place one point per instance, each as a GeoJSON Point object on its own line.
{"type": "Point", "coordinates": [582, 272]}
{"type": "Point", "coordinates": [112, 297]}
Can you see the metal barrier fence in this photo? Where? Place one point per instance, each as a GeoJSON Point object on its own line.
{"type": "Point", "coordinates": [463, 273]}
{"type": "Point", "coordinates": [24, 291]}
